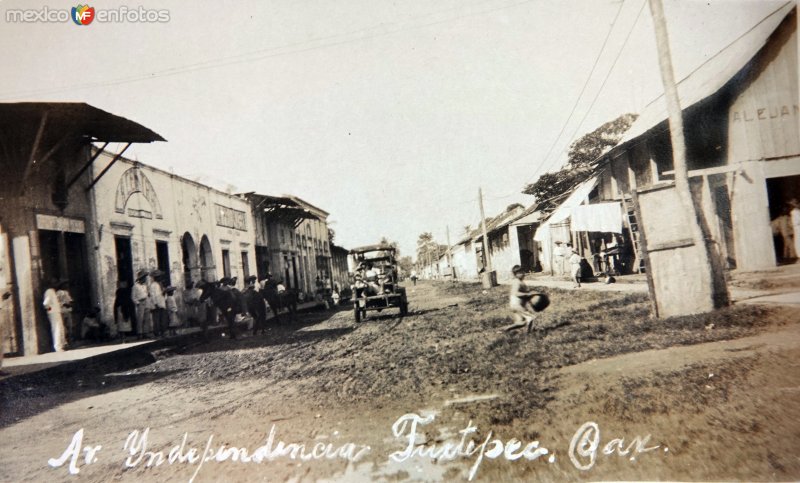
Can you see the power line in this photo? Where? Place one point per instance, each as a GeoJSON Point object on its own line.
{"type": "Point", "coordinates": [264, 54]}
{"type": "Point", "coordinates": [583, 89]}
{"type": "Point", "coordinates": [611, 69]}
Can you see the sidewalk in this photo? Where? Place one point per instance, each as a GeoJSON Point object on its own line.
{"type": "Point", "coordinates": [16, 366]}
{"type": "Point", "coordinates": [625, 283]}
{"type": "Point", "coordinates": [781, 285]}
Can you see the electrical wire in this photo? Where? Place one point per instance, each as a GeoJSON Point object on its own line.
{"type": "Point", "coordinates": [263, 54]}
{"type": "Point", "coordinates": [583, 90]}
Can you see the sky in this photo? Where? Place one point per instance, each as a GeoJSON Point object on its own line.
{"type": "Point", "coordinates": [388, 115]}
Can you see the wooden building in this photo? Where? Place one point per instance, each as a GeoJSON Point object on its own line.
{"type": "Point", "coordinates": [743, 143]}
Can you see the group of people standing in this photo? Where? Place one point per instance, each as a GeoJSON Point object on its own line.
{"type": "Point", "coordinates": [154, 309]}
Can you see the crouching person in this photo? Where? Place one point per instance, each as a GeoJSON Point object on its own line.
{"type": "Point", "coordinates": [524, 302]}
{"type": "Point", "coordinates": [92, 328]}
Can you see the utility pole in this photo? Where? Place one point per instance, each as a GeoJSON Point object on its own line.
{"type": "Point", "coordinates": [438, 267]}
{"type": "Point", "coordinates": [679, 148]}
{"type": "Point", "coordinates": [486, 257]}
{"type": "Point", "coordinates": [450, 256]}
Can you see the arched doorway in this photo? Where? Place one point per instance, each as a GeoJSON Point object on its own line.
{"type": "Point", "coordinates": [191, 269]}
{"type": "Point", "coordinates": [207, 267]}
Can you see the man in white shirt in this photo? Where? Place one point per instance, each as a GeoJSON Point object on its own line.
{"type": "Point", "coordinates": [158, 304]}
{"type": "Point", "coordinates": [53, 307]}
{"type": "Point", "coordinates": [141, 300]}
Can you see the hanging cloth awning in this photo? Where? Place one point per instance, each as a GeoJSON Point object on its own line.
{"type": "Point", "coordinates": [564, 210]}
{"type": "Point", "coordinates": [602, 217]}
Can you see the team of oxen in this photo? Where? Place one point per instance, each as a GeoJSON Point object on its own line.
{"type": "Point", "coordinates": [230, 301]}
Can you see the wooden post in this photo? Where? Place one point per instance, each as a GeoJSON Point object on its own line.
{"type": "Point", "coordinates": [486, 256]}
{"type": "Point", "coordinates": [679, 152]}
{"type": "Point", "coordinates": [450, 256]}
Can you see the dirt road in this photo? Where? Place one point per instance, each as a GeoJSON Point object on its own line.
{"type": "Point", "coordinates": [694, 398]}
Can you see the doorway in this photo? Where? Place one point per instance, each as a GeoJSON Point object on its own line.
{"type": "Point", "coordinates": [63, 257]}
{"type": "Point", "coordinates": [188, 258]}
{"type": "Point", "coordinates": [207, 267]}
{"type": "Point", "coordinates": [780, 192]}
{"type": "Point", "coordinates": [262, 262]}
{"type": "Point", "coordinates": [162, 261]}
{"type": "Point", "coordinates": [122, 247]}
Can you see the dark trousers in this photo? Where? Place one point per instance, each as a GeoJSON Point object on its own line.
{"type": "Point", "coordinates": [159, 321]}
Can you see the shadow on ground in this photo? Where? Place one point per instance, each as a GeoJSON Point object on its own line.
{"type": "Point", "coordinates": [27, 395]}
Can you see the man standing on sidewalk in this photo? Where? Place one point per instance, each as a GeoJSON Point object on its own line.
{"type": "Point", "coordinates": [141, 299]}
{"type": "Point", "coordinates": [53, 307]}
{"type": "Point", "coordinates": [66, 311]}
{"type": "Point", "coordinates": [158, 303]}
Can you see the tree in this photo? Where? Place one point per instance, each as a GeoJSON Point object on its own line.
{"type": "Point", "coordinates": [581, 163]}
{"type": "Point", "coordinates": [406, 264]}
{"type": "Point", "coordinates": [426, 248]}
{"type": "Point", "coordinates": [589, 147]}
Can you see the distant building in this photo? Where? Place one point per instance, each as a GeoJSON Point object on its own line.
{"type": "Point", "coordinates": [292, 241]}
{"type": "Point", "coordinates": [510, 243]}
{"type": "Point", "coordinates": [341, 277]}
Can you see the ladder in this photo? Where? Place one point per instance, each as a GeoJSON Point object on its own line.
{"type": "Point", "coordinates": [633, 230]}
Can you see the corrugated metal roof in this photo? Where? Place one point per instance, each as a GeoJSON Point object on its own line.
{"type": "Point", "coordinates": [280, 208]}
{"type": "Point", "coordinates": [712, 75]}
{"type": "Point", "coordinates": [77, 117]}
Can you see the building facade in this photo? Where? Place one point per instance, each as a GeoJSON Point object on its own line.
{"type": "Point", "coordinates": [292, 242]}
{"type": "Point", "coordinates": [150, 219]}
{"type": "Point", "coordinates": [47, 232]}
{"type": "Point", "coordinates": [741, 119]}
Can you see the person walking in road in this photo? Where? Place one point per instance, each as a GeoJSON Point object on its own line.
{"type": "Point", "coordinates": [53, 307]}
